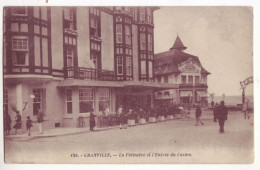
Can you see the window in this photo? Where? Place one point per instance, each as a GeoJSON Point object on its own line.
{"type": "Point", "coordinates": [190, 80]}
{"type": "Point", "coordinates": [150, 64]}
{"type": "Point", "coordinates": [69, 101]}
{"type": "Point", "coordinates": [149, 15]}
{"type": "Point", "coordinates": [119, 65]}
{"type": "Point", "coordinates": [86, 97]}
{"type": "Point", "coordinates": [166, 79]}
{"type": "Point", "coordinates": [150, 42]}
{"type": "Point", "coordinates": [68, 14]}
{"type": "Point", "coordinates": [70, 56]}
{"type": "Point", "coordinates": [20, 50]}
{"type": "Point", "coordinates": [20, 43]}
{"type": "Point", "coordinates": [142, 41]}
{"type": "Point", "coordinates": [68, 18]}
{"type": "Point", "coordinates": [197, 80]}
{"type": "Point", "coordinates": [94, 27]}
{"type": "Point", "coordinates": [127, 35]}
{"type": "Point", "coordinates": [19, 11]}
{"type": "Point", "coordinates": [95, 46]}
{"type": "Point", "coordinates": [128, 66]}
{"type": "Point", "coordinates": [5, 101]}
{"type": "Point", "coordinates": [37, 100]}
{"type": "Point", "coordinates": [183, 79]}
{"type": "Point", "coordinates": [119, 33]}
{"type": "Point", "coordinates": [94, 11]}
{"type": "Point", "coordinates": [142, 14]}
{"type": "Point", "coordinates": [103, 98]}
{"type": "Point", "coordinates": [143, 69]}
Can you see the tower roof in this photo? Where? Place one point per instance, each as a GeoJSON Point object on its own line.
{"type": "Point", "coordinates": [178, 44]}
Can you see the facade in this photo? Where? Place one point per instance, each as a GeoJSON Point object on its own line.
{"type": "Point", "coordinates": [185, 72]}
{"type": "Point", "coordinates": [68, 60]}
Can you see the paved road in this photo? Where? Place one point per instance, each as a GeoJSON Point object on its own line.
{"type": "Point", "coordinates": [165, 142]}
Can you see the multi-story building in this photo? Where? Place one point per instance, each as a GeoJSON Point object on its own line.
{"type": "Point", "coordinates": [68, 60]}
{"type": "Point", "coordinates": [185, 72]}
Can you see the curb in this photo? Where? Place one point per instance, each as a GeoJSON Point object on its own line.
{"type": "Point", "coordinates": [97, 130]}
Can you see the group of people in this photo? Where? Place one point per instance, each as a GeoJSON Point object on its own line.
{"type": "Point", "coordinates": [18, 122]}
{"type": "Point", "coordinates": [220, 113]}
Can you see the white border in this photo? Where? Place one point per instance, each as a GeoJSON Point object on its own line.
{"type": "Point", "coordinates": [254, 3]}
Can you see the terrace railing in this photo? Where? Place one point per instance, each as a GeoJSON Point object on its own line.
{"type": "Point", "coordinates": [89, 73]}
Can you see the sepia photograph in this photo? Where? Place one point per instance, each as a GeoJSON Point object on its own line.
{"type": "Point", "coordinates": [128, 84]}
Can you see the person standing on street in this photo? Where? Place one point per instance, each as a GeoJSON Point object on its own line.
{"type": "Point", "coordinates": [198, 115]}
{"type": "Point", "coordinates": [18, 121]}
{"type": "Point", "coordinates": [222, 116]}
{"type": "Point", "coordinates": [92, 122]}
{"type": "Point", "coordinates": [7, 123]}
{"type": "Point", "coordinates": [29, 125]}
{"type": "Point", "coordinates": [40, 120]}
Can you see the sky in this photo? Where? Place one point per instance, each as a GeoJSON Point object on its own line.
{"type": "Point", "coordinates": [222, 38]}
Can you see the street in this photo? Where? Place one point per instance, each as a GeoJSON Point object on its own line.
{"type": "Point", "coordinates": [173, 141]}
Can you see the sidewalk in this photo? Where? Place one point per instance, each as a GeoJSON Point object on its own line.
{"type": "Point", "coordinates": [62, 131]}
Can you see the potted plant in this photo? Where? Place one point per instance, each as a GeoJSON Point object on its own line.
{"type": "Point", "coordinates": [152, 116]}
{"type": "Point", "coordinates": [142, 116]}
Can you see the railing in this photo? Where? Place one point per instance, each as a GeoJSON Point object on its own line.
{"type": "Point", "coordinates": [89, 73]}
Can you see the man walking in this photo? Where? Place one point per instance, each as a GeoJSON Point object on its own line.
{"type": "Point", "coordinates": [222, 116]}
{"type": "Point", "coordinates": [198, 115]}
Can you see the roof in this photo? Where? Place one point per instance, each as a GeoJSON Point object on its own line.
{"type": "Point", "coordinates": [169, 60]}
{"type": "Point", "coordinates": [178, 44]}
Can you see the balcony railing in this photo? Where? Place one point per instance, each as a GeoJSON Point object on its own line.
{"type": "Point", "coordinates": [89, 73]}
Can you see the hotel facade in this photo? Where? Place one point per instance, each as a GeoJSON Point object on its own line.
{"type": "Point", "coordinates": [68, 60]}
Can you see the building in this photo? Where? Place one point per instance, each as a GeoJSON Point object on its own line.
{"type": "Point", "coordinates": [68, 60]}
{"type": "Point", "coordinates": [185, 72]}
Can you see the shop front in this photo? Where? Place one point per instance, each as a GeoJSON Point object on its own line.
{"type": "Point", "coordinates": [186, 98]}
{"type": "Point", "coordinates": [202, 98]}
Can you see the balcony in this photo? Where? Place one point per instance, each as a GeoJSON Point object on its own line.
{"type": "Point", "coordinates": [89, 73]}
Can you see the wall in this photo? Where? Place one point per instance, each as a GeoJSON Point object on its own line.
{"type": "Point", "coordinates": [107, 36]}
{"type": "Point", "coordinates": [57, 38]}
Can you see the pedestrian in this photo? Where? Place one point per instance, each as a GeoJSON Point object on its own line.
{"type": "Point", "coordinates": [92, 122]}
{"type": "Point", "coordinates": [7, 123]}
{"type": "Point", "coordinates": [40, 120]}
{"type": "Point", "coordinates": [212, 104]}
{"type": "Point", "coordinates": [18, 121]}
{"type": "Point", "coordinates": [222, 116]}
{"type": "Point", "coordinates": [123, 120]}
{"type": "Point", "coordinates": [215, 111]}
{"type": "Point", "coordinates": [118, 113]}
{"type": "Point", "coordinates": [28, 125]}
{"type": "Point", "coordinates": [198, 115]}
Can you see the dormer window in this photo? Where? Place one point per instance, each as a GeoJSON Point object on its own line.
{"type": "Point", "coordinates": [69, 22]}
{"type": "Point", "coordinates": [19, 11]}
{"type": "Point", "coordinates": [142, 14]}
{"type": "Point", "coordinates": [149, 15]}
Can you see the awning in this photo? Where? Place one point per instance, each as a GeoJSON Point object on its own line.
{"type": "Point", "coordinates": [96, 83]}
{"type": "Point", "coordinates": [185, 93]}
{"type": "Point", "coordinates": [165, 94]}
{"type": "Point", "coordinates": [202, 93]}
{"type": "Point", "coordinates": [87, 83]}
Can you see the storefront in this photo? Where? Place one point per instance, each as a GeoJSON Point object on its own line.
{"type": "Point", "coordinates": [201, 98]}
{"type": "Point", "coordinates": [186, 97]}
{"type": "Point", "coordinates": [168, 97]}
